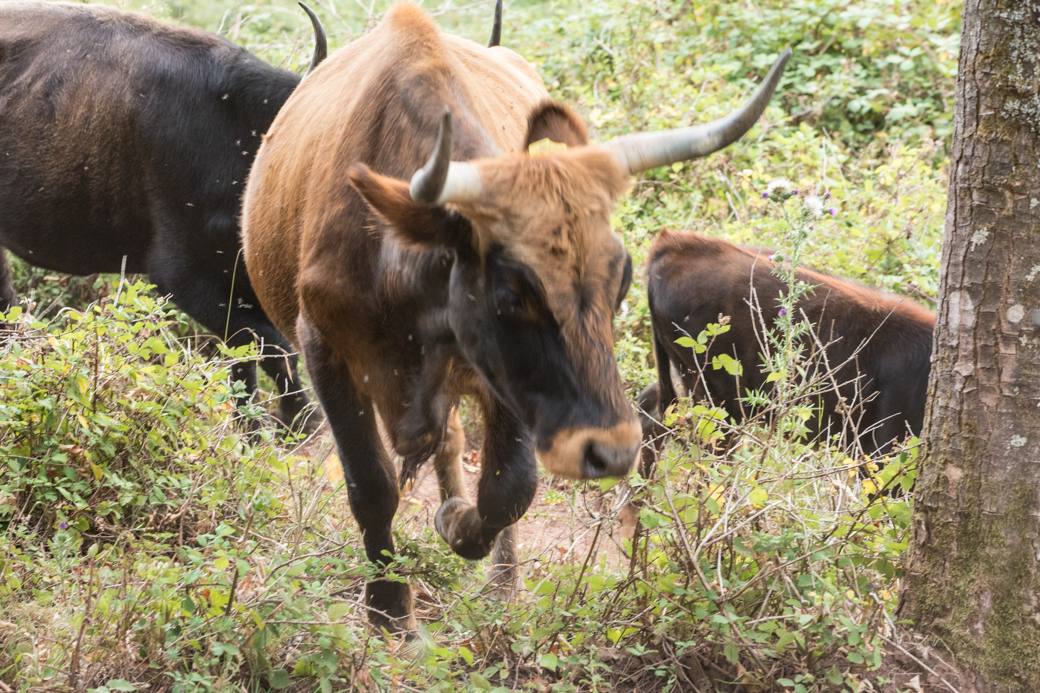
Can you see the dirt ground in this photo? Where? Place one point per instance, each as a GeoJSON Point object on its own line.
{"type": "Point", "coordinates": [560, 525]}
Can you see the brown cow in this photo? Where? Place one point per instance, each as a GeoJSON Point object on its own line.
{"type": "Point", "coordinates": [496, 278]}
{"type": "Point", "coordinates": [878, 345]}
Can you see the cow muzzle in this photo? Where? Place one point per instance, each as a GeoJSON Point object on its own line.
{"type": "Point", "coordinates": [593, 453]}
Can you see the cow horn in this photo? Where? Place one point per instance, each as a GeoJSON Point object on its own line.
{"type": "Point", "coordinates": [321, 45]}
{"type": "Point", "coordinates": [646, 150]}
{"type": "Point", "coordinates": [442, 180]}
{"type": "Point", "coordinates": [496, 28]}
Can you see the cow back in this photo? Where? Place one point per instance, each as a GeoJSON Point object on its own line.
{"type": "Point", "coordinates": [118, 133]}
{"type": "Point", "coordinates": [878, 345]}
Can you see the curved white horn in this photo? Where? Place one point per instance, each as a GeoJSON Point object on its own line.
{"type": "Point", "coordinates": [442, 180]}
{"type": "Point", "coordinates": [646, 150]}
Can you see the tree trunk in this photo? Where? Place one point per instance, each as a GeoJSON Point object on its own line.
{"type": "Point", "coordinates": [973, 571]}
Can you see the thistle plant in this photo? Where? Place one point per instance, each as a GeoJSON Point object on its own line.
{"type": "Point", "coordinates": [786, 344]}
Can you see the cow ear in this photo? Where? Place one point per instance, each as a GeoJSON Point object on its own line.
{"type": "Point", "coordinates": [557, 123]}
{"type": "Point", "coordinates": [414, 224]}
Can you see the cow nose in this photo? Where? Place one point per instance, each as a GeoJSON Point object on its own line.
{"type": "Point", "coordinates": [593, 453]}
{"type": "Point", "coordinates": [604, 460]}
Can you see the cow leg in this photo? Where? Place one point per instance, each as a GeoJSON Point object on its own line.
{"type": "Point", "coordinates": [508, 481]}
{"type": "Point", "coordinates": [206, 300]}
{"type": "Point", "coordinates": [448, 464]}
{"type": "Point", "coordinates": [447, 461]}
{"type": "Point", "coordinates": [655, 435]}
{"type": "Point", "coordinates": [281, 363]}
{"type": "Point", "coordinates": [369, 473]}
{"type": "Point", "coordinates": [8, 296]}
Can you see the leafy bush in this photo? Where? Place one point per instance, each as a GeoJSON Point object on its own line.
{"type": "Point", "coordinates": [105, 417]}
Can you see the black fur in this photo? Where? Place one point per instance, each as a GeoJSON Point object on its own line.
{"type": "Point", "coordinates": [122, 137]}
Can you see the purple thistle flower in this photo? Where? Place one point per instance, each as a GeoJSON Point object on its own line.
{"type": "Point", "coordinates": [772, 258]}
{"type": "Point", "coordinates": [782, 313]}
{"type": "Point", "coordinates": [833, 212]}
{"type": "Point", "coordinates": [765, 195]}
{"type": "Point", "coordinates": [794, 192]}
{"type": "Point", "coordinates": [63, 525]}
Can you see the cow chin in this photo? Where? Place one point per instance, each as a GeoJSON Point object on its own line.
{"type": "Point", "coordinates": [593, 453]}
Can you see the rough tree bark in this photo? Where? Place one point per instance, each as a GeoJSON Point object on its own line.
{"type": "Point", "coordinates": [973, 574]}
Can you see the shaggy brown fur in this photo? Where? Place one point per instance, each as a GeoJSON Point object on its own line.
{"type": "Point", "coordinates": [508, 298]}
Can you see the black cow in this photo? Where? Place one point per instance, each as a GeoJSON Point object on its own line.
{"type": "Point", "coordinates": [125, 144]}
{"type": "Point", "coordinates": [878, 345]}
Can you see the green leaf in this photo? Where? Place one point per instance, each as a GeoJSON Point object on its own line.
{"type": "Point", "coordinates": [278, 678]}
{"type": "Point", "coordinates": [223, 648]}
{"type": "Point", "coordinates": [479, 681]}
{"type": "Point", "coordinates": [466, 655]}
{"type": "Point", "coordinates": [549, 661]}
{"type": "Point", "coordinates": [650, 518]}
{"type": "Point", "coordinates": [731, 653]}
{"type": "Point", "coordinates": [732, 366]}
{"type": "Point", "coordinates": [758, 497]}
{"type": "Point", "coordinates": [120, 685]}
{"type": "Point", "coordinates": [338, 610]}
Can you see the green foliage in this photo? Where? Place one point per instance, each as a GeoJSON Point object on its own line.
{"type": "Point", "coordinates": [47, 292]}
{"type": "Point", "coordinates": [105, 417]}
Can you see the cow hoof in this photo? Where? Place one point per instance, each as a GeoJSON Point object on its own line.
{"type": "Point", "coordinates": [390, 606]}
{"type": "Point", "coordinates": [458, 524]}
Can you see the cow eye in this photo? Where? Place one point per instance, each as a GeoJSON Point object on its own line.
{"type": "Point", "coordinates": [626, 282]}
{"type": "Point", "coordinates": [517, 295]}
{"type": "Point", "coordinates": [508, 300]}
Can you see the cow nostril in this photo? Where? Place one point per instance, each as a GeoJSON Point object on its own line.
{"type": "Point", "coordinates": [595, 465]}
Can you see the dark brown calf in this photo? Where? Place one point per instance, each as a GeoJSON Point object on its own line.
{"type": "Point", "coordinates": [878, 346]}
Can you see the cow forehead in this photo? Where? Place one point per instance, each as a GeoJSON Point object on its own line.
{"type": "Point", "coordinates": [579, 262]}
{"type": "Point", "coordinates": [577, 256]}
{"type": "Point", "coordinates": [553, 215]}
